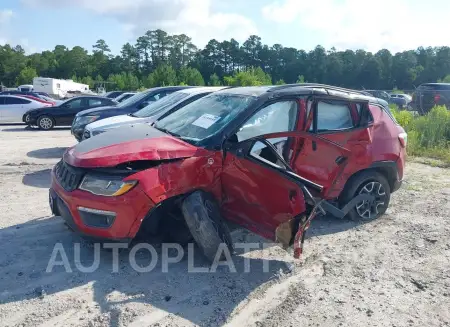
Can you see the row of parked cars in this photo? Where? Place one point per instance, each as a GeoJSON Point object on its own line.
{"type": "Point", "coordinates": [14, 105]}
{"type": "Point", "coordinates": [425, 97]}
{"type": "Point", "coordinates": [180, 161]}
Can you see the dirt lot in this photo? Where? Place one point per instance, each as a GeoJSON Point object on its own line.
{"type": "Point", "coordinates": [391, 272]}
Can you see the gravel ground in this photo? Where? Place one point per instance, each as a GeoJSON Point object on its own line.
{"type": "Point", "coordinates": [391, 272]}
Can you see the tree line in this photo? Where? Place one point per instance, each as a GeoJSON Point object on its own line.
{"type": "Point", "coordinates": [158, 58]}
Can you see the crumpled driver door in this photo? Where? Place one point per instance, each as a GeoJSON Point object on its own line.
{"type": "Point", "coordinates": [261, 191]}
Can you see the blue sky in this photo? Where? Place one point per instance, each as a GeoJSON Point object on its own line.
{"type": "Point", "coordinates": [394, 24]}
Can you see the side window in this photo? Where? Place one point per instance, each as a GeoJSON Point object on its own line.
{"type": "Point", "coordinates": [75, 104]}
{"type": "Point", "coordinates": [277, 117]}
{"type": "Point", "coordinates": [333, 116]}
{"type": "Point", "coordinates": [94, 102]}
{"type": "Point", "coordinates": [11, 100]}
{"type": "Point", "coordinates": [268, 154]}
{"type": "Point", "coordinates": [156, 97]}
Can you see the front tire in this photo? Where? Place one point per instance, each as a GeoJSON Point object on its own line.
{"type": "Point", "coordinates": [209, 230]}
{"type": "Point", "coordinates": [368, 182]}
{"type": "Point", "coordinates": [45, 123]}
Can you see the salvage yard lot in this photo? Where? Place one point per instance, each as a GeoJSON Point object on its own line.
{"type": "Point", "coordinates": [391, 272]}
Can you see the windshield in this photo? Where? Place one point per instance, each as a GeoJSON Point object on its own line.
{"type": "Point", "coordinates": [160, 106]}
{"type": "Point", "coordinates": [204, 117]}
{"type": "Point", "coordinates": [133, 99]}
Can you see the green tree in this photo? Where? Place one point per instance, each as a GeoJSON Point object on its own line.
{"type": "Point", "coordinates": [300, 79]}
{"type": "Point", "coordinates": [251, 77]}
{"type": "Point", "coordinates": [190, 76]}
{"type": "Point", "coordinates": [280, 82]}
{"type": "Point", "coordinates": [26, 76]}
{"type": "Point", "coordinates": [214, 80]}
{"type": "Point", "coordinates": [446, 79]}
{"type": "Point", "coordinates": [163, 75]}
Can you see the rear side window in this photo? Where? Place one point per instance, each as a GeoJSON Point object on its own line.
{"type": "Point", "coordinates": [75, 104]}
{"type": "Point", "coordinates": [11, 100]}
{"type": "Point", "coordinates": [333, 116]}
{"type": "Point", "coordinates": [95, 102]}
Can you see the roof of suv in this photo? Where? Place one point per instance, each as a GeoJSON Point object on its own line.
{"type": "Point", "coordinates": [306, 89]}
{"type": "Point", "coordinates": [202, 89]}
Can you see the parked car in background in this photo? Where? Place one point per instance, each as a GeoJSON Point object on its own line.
{"type": "Point", "coordinates": [52, 103]}
{"type": "Point", "coordinates": [35, 94]}
{"type": "Point", "coordinates": [266, 158]}
{"type": "Point", "coordinates": [124, 96]}
{"type": "Point", "coordinates": [428, 95]}
{"type": "Point", "coordinates": [13, 107]}
{"type": "Point", "coordinates": [401, 102]}
{"type": "Point", "coordinates": [25, 88]}
{"type": "Point", "coordinates": [64, 113]}
{"type": "Point", "coordinates": [131, 105]}
{"type": "Point", "coordinates": [113, 94]}
{"type": "Point", "coordinates": [379, 94]}
{"type": "Point", "coordinates": [150, 113]}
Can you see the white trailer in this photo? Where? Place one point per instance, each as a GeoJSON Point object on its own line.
{"type": "Point", "coordinates": [58, 87]}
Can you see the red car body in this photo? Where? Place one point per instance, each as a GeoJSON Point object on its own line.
{"type": "Point", "coordinates": [47, 103]}
{"type": "Point", "coordinates": [251, 190]}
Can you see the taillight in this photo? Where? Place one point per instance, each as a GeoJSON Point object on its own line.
{"type": "Point", "coordinates": [437, 97]}
{"type": "Point", "coordinates": [403, 138]}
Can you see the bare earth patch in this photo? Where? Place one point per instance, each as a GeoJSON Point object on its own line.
{"type": "Point", "coordinates": [392, 272]}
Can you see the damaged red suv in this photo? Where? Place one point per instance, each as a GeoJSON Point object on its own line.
{"type": "Point", "coordinates": [266, 158]}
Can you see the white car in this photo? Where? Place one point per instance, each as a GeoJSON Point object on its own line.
{"type": "Point", "coordinates": [13, 107]}
{"type": "Point", "coordinates": [152, 112]}
{"type": "Point", "coordinates": [124, 96]}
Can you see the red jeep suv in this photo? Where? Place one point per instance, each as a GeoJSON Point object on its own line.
{"type": "Point", "coordinates": [262, 157]}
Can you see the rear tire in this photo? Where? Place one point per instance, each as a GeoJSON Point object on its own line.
{"type": "Point", "coordinates": [45, 123]}
{"type": "Point", "coordinates": [209, 230]}
{"type": "Point", "coordinates": [368, 182]}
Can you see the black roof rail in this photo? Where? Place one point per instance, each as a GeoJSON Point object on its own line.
{"type": "Point", "coordinates": [316, 85]}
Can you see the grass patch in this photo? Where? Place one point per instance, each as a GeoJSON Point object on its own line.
{"type": "Point", "coordinates": [428, 135]}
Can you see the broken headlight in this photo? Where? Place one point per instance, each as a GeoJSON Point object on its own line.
{"type": "Point", "coordinates": [106, 185]}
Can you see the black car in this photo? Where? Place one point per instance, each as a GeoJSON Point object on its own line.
{"type": "Point", "coordinates": [428, 95]}
{"type": "Point", "coordinates": [129, 106]}
{"type": "Point", "coordinates": [63, 114]}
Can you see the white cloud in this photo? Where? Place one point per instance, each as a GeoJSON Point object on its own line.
{"type": "Point", "coordinates": [192, 17]}
{"type": "Point", "coordinates": [5, 17]}
{"type": "Point", "coordinates": [373, 25]}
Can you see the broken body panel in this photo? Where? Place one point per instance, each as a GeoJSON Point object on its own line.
{"type": "Point", "coordinates": [272, 184]}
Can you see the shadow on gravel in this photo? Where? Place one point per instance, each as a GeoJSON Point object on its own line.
{"type": "Point", "coordinates": [202, 298]}
{"type": "Point", "coordinates": [41, 179]}
{"type": "Point", "coordinates": [49, 153]}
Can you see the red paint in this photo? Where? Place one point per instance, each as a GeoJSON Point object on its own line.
{"type": "Point", "coordinates": [129, 208]}
{"type": "Point", "coordinates": [161, 148]}
{"type": "Point", "coordinates": [250, 194]}
{"type": "Point", "coordinates": [378, 142]}
{"type": "Point", "coordinates": [47, 103]}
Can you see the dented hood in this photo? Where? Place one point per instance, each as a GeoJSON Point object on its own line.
{"type": "Point", "coordinates": [129, 143]}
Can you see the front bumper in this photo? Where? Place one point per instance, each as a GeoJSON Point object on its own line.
{"type": "Point", "coordinates": [99, 217]}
